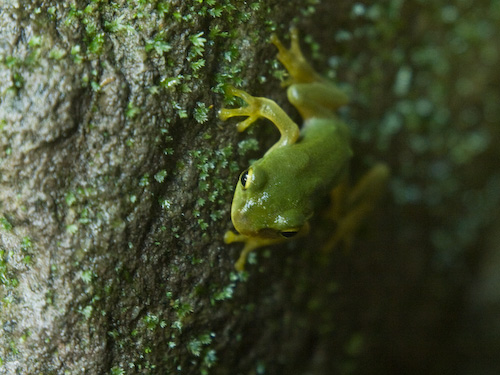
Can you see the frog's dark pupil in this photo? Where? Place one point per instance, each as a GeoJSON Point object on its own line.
{"type": "Point", "coordinates": [243, 178]}
{"type": "Point", "coordinates": [288, 234]}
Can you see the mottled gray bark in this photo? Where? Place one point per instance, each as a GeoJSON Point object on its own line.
{"type": "Point", "coordinates": [116, 179]}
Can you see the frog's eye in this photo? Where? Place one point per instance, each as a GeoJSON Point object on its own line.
{"type": "Point", "coordinates": [289, 233]}
{"type": "Point", "coordinates": [246, 178]}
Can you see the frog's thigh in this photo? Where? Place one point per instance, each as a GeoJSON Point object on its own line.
{"type": "Point", "coordinates": [316, 98]}
{"type": "Point", "coordinates": [361, 202]}
{"type": "Point", "coordinates": [371, 186]}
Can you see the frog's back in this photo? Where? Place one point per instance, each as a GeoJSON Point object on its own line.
{"type": "Point", "coordinates": [327, 143]}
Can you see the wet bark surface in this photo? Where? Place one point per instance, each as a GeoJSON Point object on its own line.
{"type": "Point", "coordinates": [116, 179]}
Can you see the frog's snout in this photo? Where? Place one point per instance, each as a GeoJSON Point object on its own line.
{"type": "Point", "coordinates": [240, 222]}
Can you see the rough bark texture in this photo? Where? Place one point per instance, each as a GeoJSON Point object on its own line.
{"type": "Point", "coordinates": [116, 179]}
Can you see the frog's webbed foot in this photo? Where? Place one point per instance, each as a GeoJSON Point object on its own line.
{"type": "Point", "coordinates": [262, 107]}
{"type": "Point", "coordinates": [251, 243]}
{"type": "Point", "coordinates": [293, 60]}
{"type": "Point", "coordinates": [351, 208]}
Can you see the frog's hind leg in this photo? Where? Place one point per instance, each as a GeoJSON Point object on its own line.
{"type": "Point", "coordinates": [317, 99]}
{"type": "Point", "coordinates": [293, 60]}
{"type": "Point", "coordinates": [312, 95]}
{"type": "Point", "coordinates": [352, 207]}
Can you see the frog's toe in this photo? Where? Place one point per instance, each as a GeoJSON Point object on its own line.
{"type": "Point", "coordinates": [246, 123]}
{"type": "Point", "coordinates": [230, 237]}
{"type": "Point", "coordinates": [294, 38]}
{"type": "Point", "coordinates": [225, 113]}
{"type": "Point", "coordinates": [293, 60]}
{"type": "Point", "coordinates": [230, 90]}
{"type": "Point", "coordinates": [277, 42]}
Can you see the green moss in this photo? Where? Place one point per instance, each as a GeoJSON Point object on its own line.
{"type": "Point", "coordinates": [181, 112]}
{"type": "Point", "coordinates": [6, 225]}
{"type": "Point", "coordinates": [211, 164]}
{"type": "Point", "coordinates": [225, 293]}
{"type": "Point", "coordinates": [247, 145]}
{"type": "Point", "coordinates": [70, 198]}
{"type": "Point", "coordinates": [201, 113]}
{"type": "Point", "coordinates": [132, 111]}
{"type": "Point", "coordinates": [117, 26]}
{"type": "Point", "coordinates": [158, 44]}
{"type": "Point", "coordinates": [75, 53]}
{"type": "Point", "coordinates": [160, 176]}
{"type": "Point", "coordinates": [35, 41]}
{"type": "Point", "coordinates": [7, 276]}
{"type": "Point", "coordinates": [86, 311]}
{"type": "Point", "coordinates": [116, 370]}
{"type": "Point", "coordinates": [57, 53]}
{"type": "Point", "coordinates": [152, 321]}
{"type": "Point", "coordinates": [87, 276]}
{"type": "Point", "coordinates": [164, 203]}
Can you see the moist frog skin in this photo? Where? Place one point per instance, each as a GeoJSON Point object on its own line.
{"type": "Point", "coordinates": [277, 195]}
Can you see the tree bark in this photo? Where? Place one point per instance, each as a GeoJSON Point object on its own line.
{"type": "Point", "coordinates": [116, 179]}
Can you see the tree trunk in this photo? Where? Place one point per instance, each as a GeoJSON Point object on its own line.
{"type": "Point", "coordinates": [116, 180]}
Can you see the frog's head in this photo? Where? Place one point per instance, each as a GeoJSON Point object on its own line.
{"type": "Point", "coordinates": [264, 206]}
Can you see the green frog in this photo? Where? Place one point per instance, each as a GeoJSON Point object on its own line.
{"type": "Point", "coordinates": [277, 195]}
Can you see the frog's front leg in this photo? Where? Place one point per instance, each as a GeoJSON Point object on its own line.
{"type": "Point", "coordinates": [262, 107]}
{"type": "Point", "coordinates": [251, 243]}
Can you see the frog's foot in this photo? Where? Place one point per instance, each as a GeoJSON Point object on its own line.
{"type": "Point", "coordinates": [251, 110]}
{"type": "Point", "coordinates": [292, 59]}
{"type": "Point", "coordinates": [251, 243]}
{"type": "Point", "coordinates": [261, 107]}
